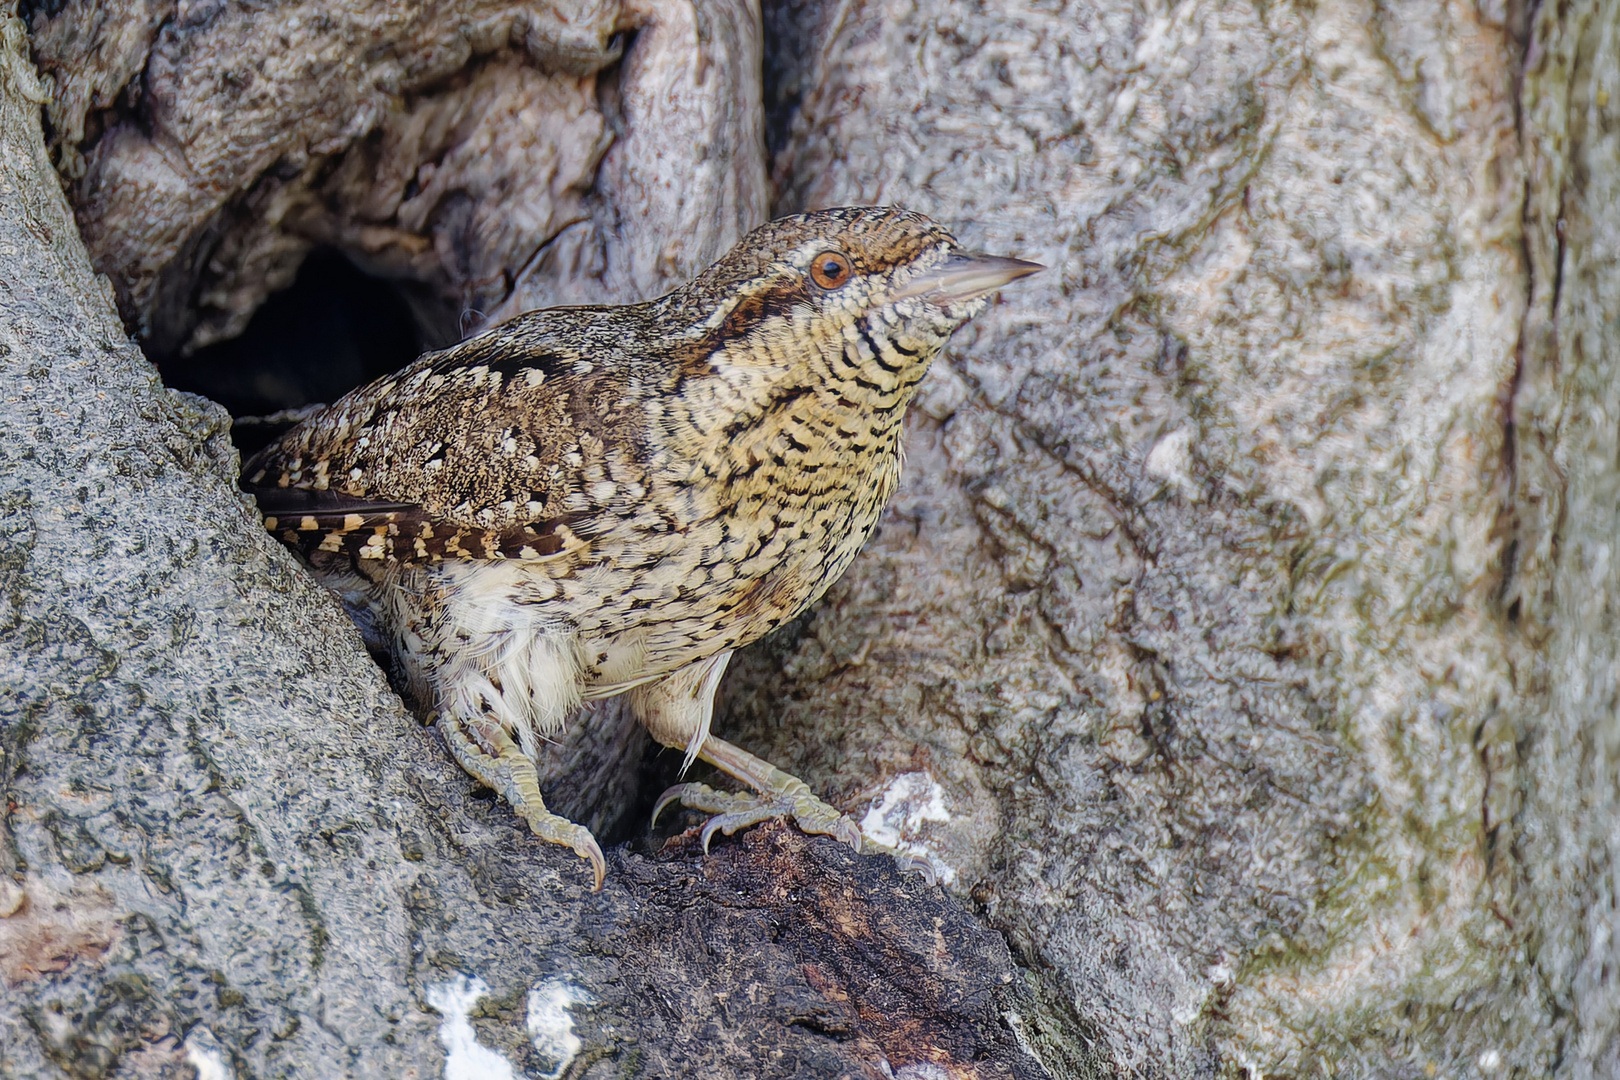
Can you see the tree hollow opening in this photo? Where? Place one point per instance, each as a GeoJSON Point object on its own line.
{"type": "Point", "coordinates": [335, 328]}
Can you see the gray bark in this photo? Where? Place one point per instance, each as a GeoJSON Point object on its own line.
{"type": "Point", "coordinates": [1197, 580]}
{"type": "Point", "coordinates": [1243, 638]}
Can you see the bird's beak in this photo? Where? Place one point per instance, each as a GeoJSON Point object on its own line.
{"type": "Point", "coordinates": [964, 276]}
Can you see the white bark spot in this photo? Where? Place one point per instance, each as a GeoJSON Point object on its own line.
{"type": "Point", "coordinates": [1170, 460]}
{"type": "Point", "coordinates": [925, 1070]}
{"type": "Point", "coordinates": [551, 1027]}
{"type": "Point", "coordinates": [203, 1053]}
{"type": "Point", "coordinates": [898, 817]}
{"type": "Point", "coordinates": [465, 1058]}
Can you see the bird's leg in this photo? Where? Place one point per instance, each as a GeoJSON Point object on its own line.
{"type": "Point", "coordinates": [483, 748]}
{"type": "Point", "coordinates": [677, 710]}
{"type": "Point", "coordinates": [780, 795]}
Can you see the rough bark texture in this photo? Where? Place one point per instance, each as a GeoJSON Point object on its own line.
{"type": "Point", "coordinates": [461, 147]}
{"type": "Point", "coordinates": [1191, 602]}
{"type": "Point", "coordinates": [1567, 498]}
{"type": "Point", "coordinates": [1243, 638]}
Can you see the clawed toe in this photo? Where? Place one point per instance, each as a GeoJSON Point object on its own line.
{"type": "Point", "coordinates": [907, 863]}
{"type": "Point", "coordinates": [559, 830]}
{"type": "Point", "coordinates": [586, 847]}
{"type": "Point", "coordinates": [700, 797]}
{"type": "Point", "coordinates": [511, 773]}
{"type": "Point", "coordinates": [738, 811]}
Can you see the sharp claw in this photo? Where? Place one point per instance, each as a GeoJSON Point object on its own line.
{"type": "Point", "coordinates": [907, 863]}
{"type": "Point", "coordinates": [672, 795]}
{"type": "Point", "coordinates": [847, 831]}
{"type": "Point", "coordinates": [589, 849]}
{"type": "Point", "coordinates": [734, 812]}
{"type": "Point", "coordinates": [709, 829]}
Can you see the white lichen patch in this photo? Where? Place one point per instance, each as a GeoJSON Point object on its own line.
{"type": "Point", "coordinates": [925, 1070]}
{"type": "Point", "coordinates": [465, 1058]}
{"type": "Point", "coordinates": [204, 1054]}
{"type": "Point", "coordinates": [897, 818]}
{"type": "Point", "coordinates": [551, 1026]}
{"type": "Point", "coordinates": [1170, 461]}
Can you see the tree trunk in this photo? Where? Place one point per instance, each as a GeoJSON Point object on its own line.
{"type": "Point", "coordinates": [1243, 638]}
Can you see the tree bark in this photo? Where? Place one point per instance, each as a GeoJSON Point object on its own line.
{"type": "Point", "coordinates": [1195, 602]}
{"type": "Point", "coordinates": [1242, 639]}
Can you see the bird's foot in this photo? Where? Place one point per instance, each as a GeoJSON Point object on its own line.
{"type": "Point", "coordinates": [559, 830]}
{"type": "Point", "coordinates": [790, 798]}
{"type": "Point", "coordinates": [510, 772]}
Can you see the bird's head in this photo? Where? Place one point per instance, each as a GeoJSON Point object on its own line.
{"type": "Point", "coordinates": [865, 296]}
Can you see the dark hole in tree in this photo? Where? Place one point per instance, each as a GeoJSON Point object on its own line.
{"type": "Point", "coordinates": [332, 330]}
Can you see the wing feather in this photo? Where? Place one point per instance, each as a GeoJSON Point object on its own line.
{"type": "Point", "coordinates": [496, 448]}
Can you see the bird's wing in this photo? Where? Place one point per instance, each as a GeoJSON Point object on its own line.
{"type": "Point", "coordinates": [318, 521]}
{"type": "Point", "coordinates": [511, 445]}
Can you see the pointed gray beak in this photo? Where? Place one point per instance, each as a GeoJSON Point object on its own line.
{"type": "Point", "coordinates": [965, 276]}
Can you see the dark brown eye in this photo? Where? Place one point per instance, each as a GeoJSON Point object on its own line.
{"type": "Point", "coordinates": [830, 269]}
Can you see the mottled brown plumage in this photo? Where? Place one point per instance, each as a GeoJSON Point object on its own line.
{"type": "Point", "coordinates": [588, 501]}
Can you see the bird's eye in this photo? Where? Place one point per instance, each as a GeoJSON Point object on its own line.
{"type": "Point", "coordinates": [830, 269]}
